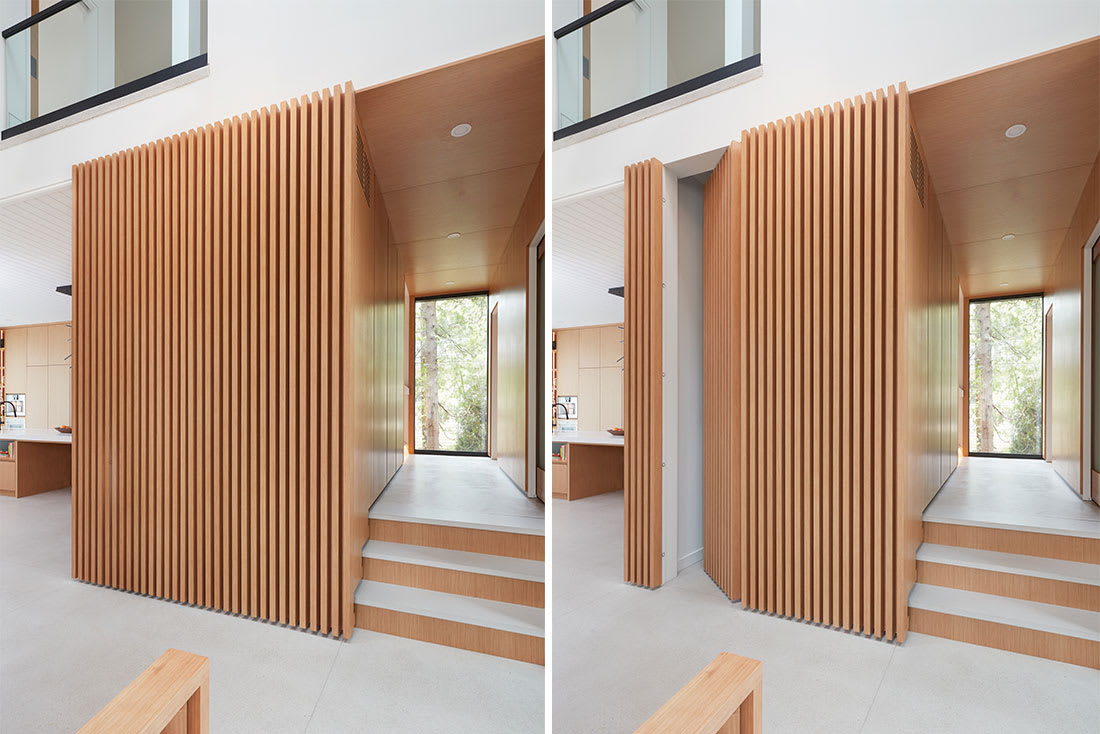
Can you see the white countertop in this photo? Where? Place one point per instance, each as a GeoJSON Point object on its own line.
{"type": "Point", "coordinates": [35, 435]}
{"type": "Point", "coordinates": [592, 438]}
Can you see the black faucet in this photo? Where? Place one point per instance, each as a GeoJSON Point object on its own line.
{"type": "Point", "coordinates": [14, 412]}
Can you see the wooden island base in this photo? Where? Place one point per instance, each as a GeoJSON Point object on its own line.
{"type": "Point", "coordinates": [35, 468]}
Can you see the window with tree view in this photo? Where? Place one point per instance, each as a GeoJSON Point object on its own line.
{"type": "Point", "coordinates": [1006, 376]}
{"type": "Point", "coordinates": [452, 371]}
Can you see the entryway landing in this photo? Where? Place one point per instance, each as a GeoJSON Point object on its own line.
{"type": "Point", "coordinates": [458, 491]}
{"type": "Point", "coordinates": [1013, 494]}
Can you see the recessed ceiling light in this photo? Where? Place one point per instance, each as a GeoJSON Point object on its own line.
{"type": "Point", "coordinates": [1004, 284]}
{"type": "Point", "coordinates": [450, 282]}
{"type": "Point", "coordinates": [1015, 131]}
{"type": "Point", "coordinates": [1008, 236]}
{"type": "Point", "coordinates": [461, 129]}
{"type": "Point", "coordinates": [454, 235]}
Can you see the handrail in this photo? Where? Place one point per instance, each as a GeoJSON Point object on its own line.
{"type": "Point", "coordinates": [596, 14]}
{"type": "Point", "coordinates": [726, 696]}
{"type": "Point", "coordinates": [38, 17]}
{"type": "Point", "coordinates": [171, 695]}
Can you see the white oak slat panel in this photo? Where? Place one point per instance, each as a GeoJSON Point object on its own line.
{"type": "Point", "coordinates": [211, 275]}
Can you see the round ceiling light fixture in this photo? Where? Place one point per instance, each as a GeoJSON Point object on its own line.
{"type": "Point", "coordinates": [1008, 236]}
{"type": "Point", "coordinates": [1015, 131]}
{"type": "Point", "coordinates": [461, 129]}
{"type": "Point", "coordinates": [454, 235]}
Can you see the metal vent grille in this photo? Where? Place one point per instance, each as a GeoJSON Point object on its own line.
{"type": "Point", "coordinates": [362, 165]}
{"type": "Point", "coordinates": [916, 166]}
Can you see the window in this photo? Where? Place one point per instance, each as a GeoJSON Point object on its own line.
{"type": "Point", "coordinates": [451, 374]}
{"type": "Point", "coordinates": [72, 55]}
{"type": "Point", "coordinates": [1006, 376]}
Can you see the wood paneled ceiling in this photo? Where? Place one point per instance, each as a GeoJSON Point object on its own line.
{"type": "Point", "coordinates": [435, 184]}
{"type": "Point", "coordinates": [990, 185]}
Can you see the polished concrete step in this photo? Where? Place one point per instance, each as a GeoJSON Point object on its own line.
{"type": "Point", "coordinates": [497, 578]}
{"type": "Point", "coordinates": [1029, 627]}
{"type": "Point", "coordinates": [492, 627]}
{"type": "Point", "coordinates": [456, 560]}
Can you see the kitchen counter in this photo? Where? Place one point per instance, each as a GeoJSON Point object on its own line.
{"type": "Point", "coordinates": [35, 435]}
{"type": "Point", "coordinates": [586, 463]}
{"type": "Point", "coordinates": [589, 438]}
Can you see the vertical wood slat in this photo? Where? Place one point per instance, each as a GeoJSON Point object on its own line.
{"type": "Point", "coordinates": [642, 373]}
{"type": "Point", "coordinates": [818, 478]}
{"type": "Point", "coordinates": [724, 472]}
{"type": "Point", "coordinates": [208, 282]}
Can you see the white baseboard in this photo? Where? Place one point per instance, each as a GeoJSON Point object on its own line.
{"type": "Point", "coordinates": [689, 559]}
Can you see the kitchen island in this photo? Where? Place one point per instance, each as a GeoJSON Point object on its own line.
{"type": "Point", "coordinates": [586, 463]}
{"type": "Point", "coordinates": [34, 461]}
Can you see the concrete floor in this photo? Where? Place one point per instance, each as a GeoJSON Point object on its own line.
{"type": "Point", "coordinates": [464, 491]}
{"type": "Point", "coordinates": [66, 649]}
{"type": "Point", "coordinates": [619, 652]}
{"type": "Point", "coordinates": [1023, 494]}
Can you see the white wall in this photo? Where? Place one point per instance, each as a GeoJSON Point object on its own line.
{"type": "Point", "coordinates": [815, 53]}
{"type": "Point", "coordinates": [670, 369]}
{"type": "Point", "coordinates": [689, 336]}
{"type": "Point", "coordinates": [290, 48]}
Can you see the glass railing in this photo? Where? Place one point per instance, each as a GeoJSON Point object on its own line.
{"type": "Point", "coordinates": [626, 55]}
{"type": "Point", "coordinates": [75, 54]}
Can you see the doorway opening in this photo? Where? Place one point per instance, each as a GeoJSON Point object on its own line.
{"type": "Point", "coordinates": [451, 369]}
{"type": "Point", "coordinates": [1006, 376]}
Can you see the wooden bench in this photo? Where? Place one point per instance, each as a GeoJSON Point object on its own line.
{"type": "Point", "coordinates": [725, 698]}
{"type": "Point", "coordinates": [172, 696]}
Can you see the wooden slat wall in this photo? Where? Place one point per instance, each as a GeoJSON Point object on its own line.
{"type": "Point", "coordinates": [725, 352]}
{"type": "Point", "coordinates": [822, 478]}
{"type": "Point", "coordinates": [642, 395]}
{"type": "Point", "coordinates": [210, 335]}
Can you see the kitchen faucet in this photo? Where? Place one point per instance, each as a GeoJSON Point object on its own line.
{"type": "Point", "coordinates": [563, 405]}
{"type": "Point", "coordinates": [3, 414]}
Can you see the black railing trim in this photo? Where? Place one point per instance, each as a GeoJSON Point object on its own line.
{"type": "Point", "coordinates": [109, 95]}
{"type": "Point", "coordinates": [596, 14]}
{"type": "Point", "coordinates": [38, 17]}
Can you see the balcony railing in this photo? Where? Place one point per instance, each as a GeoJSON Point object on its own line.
{"type": "Point", "coordinates": [76, 54]}
{"type": "Point", "coordinates": [627, 55]}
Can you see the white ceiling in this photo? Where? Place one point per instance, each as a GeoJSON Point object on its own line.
{"type": "Point", "coordinates": [587, 259]}
{"type": "Point", "coordinates": [36, 257]}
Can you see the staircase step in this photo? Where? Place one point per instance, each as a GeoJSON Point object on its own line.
{"type": "Point", "coordinates": [498, 578]}
{"type": "Point", "coordinates": [1047, 580]}
{"type": "Point", "coordinates": [474, 540]}
{"type": "Point", "coordinates": [1020, 542]}
{"type": "Point", "coordinates": [1033, 628]}
{"type": "Point", "coordinates": [456, 560]}
{"type": "Point", "coordinates": [493, 627]}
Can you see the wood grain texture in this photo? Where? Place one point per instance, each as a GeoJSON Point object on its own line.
{"type": "Point", "coordinates": [841, 451]}
{"type": "Point", "coordinates": [642, 372]}
{"type": "Point", "coordinates": [1044, 545]}
{"type": "Point", "coordinates": [1065, 293]}
{"type": "Point", "coordinates": [1017, 586]}
{"type": "Point", "coordinates": [218, 276]}
{"type": "Point", "coordinates": [726, 696]}
{"type": "Point", "coordinates": [725, 354]}
{"type": "Point", "coordinates": [171, 695]}
{"type": "Point", "coordinates": [525, 648]}
{"type": "Point", "coordinates": [513, 545]}
{"type": "Point", "coordinates": [466, 583]}
{"type": "Point", "coordinates": [508, 294]}
{"type": "Point", "coordinates": [593, 470]}
{"type": "Point", "coordinates": [1007, 637]}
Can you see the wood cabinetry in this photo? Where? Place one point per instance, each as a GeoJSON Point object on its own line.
{"type": "Point", "coordinates": [33, 468]}
{"type": "Point", "coordinates": [589, 366]}
{"type": "Point", "coordinates": [37, 363]}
